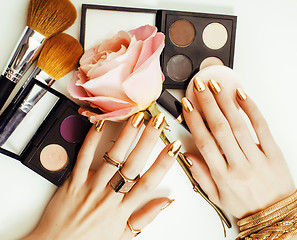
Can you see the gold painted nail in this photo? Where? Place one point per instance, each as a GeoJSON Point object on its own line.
{"type": "Point", "coordinates": [180, 118]}
{"type": "Point", "coordinates": [158, 120]}
{"type": "Point", "coordinates": [241, 95]}
{"type": "Point", "coordinates": [174, 148]}
{"type": "Point", "coordinates": [199, 84]}
{"type": "Point", "coordinates": [187, 105]}
{"type": "Point", "coordinates": [186, 160]}
{"type": "Point", "coordinates": [167, 204]}
{"type": "Point", "coordinates": [214, 86]}
{"type": "Point", "coordinates": [137, 119]}
{"type": "Point", "coordinates": [99, 125]}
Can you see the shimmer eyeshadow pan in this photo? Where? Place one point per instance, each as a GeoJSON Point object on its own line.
{"type": "Point", "coordinates": [51, 149]}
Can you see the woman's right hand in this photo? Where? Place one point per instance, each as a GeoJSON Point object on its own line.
{"type": "Point", "coordinates": [239, 175]}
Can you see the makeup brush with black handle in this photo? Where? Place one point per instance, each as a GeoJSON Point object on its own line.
{"type": "Point", "coordinates": [58, 57]}
{"type": "Point", "coordinates": [45, 19]}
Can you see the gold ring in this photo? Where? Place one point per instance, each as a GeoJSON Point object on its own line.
{"type": "Point", "coordinates": [134, 231]}
{"type": "Point", "coordinates": [121, 184]}
{"type": "Point", "coordinates": [112, 161]}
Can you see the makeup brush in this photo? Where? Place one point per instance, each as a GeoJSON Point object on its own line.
{"type": "Point", "coordinates": [45, 19]}
{"type": "Point", "coordinates": [58, 57]}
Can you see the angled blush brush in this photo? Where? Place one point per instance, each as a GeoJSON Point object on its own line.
{"type": "Point", "coordinates": [58, 57]}
{"type": "Point", "coordinates": [45, 19]}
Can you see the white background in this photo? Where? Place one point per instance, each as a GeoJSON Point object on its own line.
{"type": "Point", "coordinates": [265, 60]}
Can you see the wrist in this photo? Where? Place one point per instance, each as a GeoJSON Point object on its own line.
{"type": "Point", "coordinates": [280, 219]}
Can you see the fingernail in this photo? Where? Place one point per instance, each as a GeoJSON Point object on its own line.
{"type": "Point", "coordinates": [241, 95]}
{"type": "Point", "coordinates": [99, 125]}
{"type": "Point", "coordinates": [187, 105]}
{"type": "Point", "coordinates": [214, 86]}
{"type": "Point", "coordinates": [158, 121]}
{"type": "Point", "coordinates": [199, 84]}
{"type": "Point", "coordinates": [167, 204]}
{"type": "Point", "coordinates": [186, 160]}
{"type": "Point", "coordinates": [174, 148]}
{"type": "Point", "coordinates": [137, 119]}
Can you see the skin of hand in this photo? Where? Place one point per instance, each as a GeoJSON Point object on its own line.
{"type": "Point", "coordinates": [239, 175]}
{"type": "Point", "coordinates": [86, 207]}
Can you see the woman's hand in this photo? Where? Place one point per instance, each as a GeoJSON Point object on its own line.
{"type": "Point", "coordinates": [238, 175]}
{"type": "Point", "coordinates": [87, 207]}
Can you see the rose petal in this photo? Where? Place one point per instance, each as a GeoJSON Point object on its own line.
{"type": "Point", "coordinates": [109, 84]}
{"type": "Point", "coordinates": [75, 90]}
{"type": "Point", "coordinates": [87, 57]}
{"type": "Point", "coordinates": [141, 87]}
{"type": "Point", "coordinates": [107, 104]}
{"type": "Point", "coordinates": [117, 116]}
{"type": "Point", "coordinates": [144, 32]}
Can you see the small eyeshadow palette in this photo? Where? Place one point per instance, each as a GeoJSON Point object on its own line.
{"type": "Point", "coordinates": [52, 134]}
{"type": "Point", "coordinates": [193, 40]}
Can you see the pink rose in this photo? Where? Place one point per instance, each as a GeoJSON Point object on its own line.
{"type": "Point", "coordinates": [120, 76]}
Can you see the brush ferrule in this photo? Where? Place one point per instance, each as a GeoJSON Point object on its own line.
{"type": "Point", "coordinates": [37, 92]}
{"type": "Point", "coordinates": [24, 54]}
{"type": "Point", "coordinates": [41, 76]}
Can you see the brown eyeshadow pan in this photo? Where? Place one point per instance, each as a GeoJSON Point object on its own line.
{"type": "Point", "coordinates": [182, 33]}
{"type": "Point", "coordinates": [179, 68]}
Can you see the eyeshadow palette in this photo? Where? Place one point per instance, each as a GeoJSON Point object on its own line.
{"type": "Point", "coordinates": [51, 149]}
{"type": "Point", "coordinates": [193, 40]}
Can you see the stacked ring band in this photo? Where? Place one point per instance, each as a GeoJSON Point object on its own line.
{"type": "Point", "coordinates": [134, 231]}
{"type": "Point", "coordinates": [121, 184]}
{"type": "Point", "coordinates": [112, 161]}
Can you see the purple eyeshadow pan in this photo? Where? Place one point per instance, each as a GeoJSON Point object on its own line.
{"type": "Point", "coordinates": [73, 129]}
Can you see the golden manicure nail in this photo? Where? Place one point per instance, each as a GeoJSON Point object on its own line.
{"type": "Point", "coordinates": [180, 118]}
{"type": "Point", "coordinates": [174, 148]}
{"type": "Point", "coordinates": [214, 86]}
{"type": "Point", "coordinates": [158, 120]}
{"type": "Point", "coordinates": [187, 105]}
{"type": "Point", "coordinates": [199, 84]}
{"type": "Point", "coordinates": [242, 96]}
{"type": "Point", "coordinates": [137, 119]}
{"type": "Point", "coordinates": [99, 125]}
{"type": "Point", "coordinates": [186, 160]}
{"type": "Point", "coordinates": [167, 204]}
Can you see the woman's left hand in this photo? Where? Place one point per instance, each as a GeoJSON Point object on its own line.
{"type": "Point", "coordinates": [87, 207]}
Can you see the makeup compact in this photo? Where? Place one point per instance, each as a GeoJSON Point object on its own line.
{"type": "Point", "coordinates": [193, 40]}
{"type": "Point", "coordinates": [50, 136]}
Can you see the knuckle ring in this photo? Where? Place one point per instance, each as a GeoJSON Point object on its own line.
{"type": "Point", "coordinates": [112, 161]}
{"type": "Point", "coordinates": [121, 184]}
{"type": "Point", "coordinates": [134, 231]}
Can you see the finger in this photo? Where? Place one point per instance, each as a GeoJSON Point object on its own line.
{"type": "Point", "coordinates": [119, 150]}
{"type": "Point", "coordinates": [141, 218]}
{"type": "Point", "coordinates": [259, 124]}
{"type": "Point", "coordinates": [86, 154]}
{"type": "Point", "coordinates": [153, 176]}
{"type": "Point", "coordinates": [238, 125]}
{"type": "Point", "coordinates": [138, 157]}
{"type": "Point", "coordinates": [204, 140]}
{"type": "Point", "coordinates": [217, 122]}
{"type": "Point", "coordinates": [202, 175]}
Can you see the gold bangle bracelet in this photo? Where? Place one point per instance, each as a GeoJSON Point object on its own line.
{"type": "Point", "coordinates": [268, 210]}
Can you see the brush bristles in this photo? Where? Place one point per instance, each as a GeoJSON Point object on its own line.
{"type": "Point", "coordinates": [60, 55]}
{"type": "Point", "coordinates": [50, 17]}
